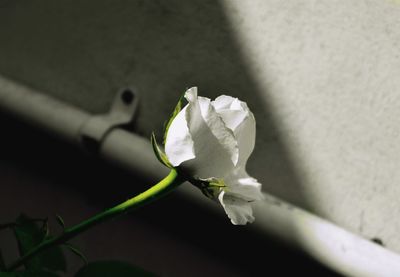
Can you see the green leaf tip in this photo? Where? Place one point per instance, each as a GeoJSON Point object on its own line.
{"type": "Point", "coordinates": [158, 152]}
{"type": "Point", "coordinates": [77, 252]}
{"type": "Point", "coordinates": [29, 235]}
{"type": "Point", "coordinates": [60, 221]}
{"type": "Point", "coordinates": [174, 113]}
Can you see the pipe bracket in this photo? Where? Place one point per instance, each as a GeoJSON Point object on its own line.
{"type": "Point", "coordinates": [97, 127]}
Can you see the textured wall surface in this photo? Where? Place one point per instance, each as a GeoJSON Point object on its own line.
{"type": "Point", "coordinates": [331, 71]}
{"type": "Point", "coordinates": [322, 78]}
{"type": "Point", "coordinates": [83, 53]}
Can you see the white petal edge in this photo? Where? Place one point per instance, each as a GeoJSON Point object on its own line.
{"type": "Point", "coordinates": [179, 144]}
{"type": "Point", "coordinates": [238, 210]}
{"type": "Point", "coordinates": [245, 134]}
{"type": "Point", "coordinates": [216, 124]}
{"type": "Point", "coordinates": [214, 144]}
{"type": "Point", "coordinates": [247, 188]}
{"type": "Point", "coordinates": [230, 110]}
{"type": "Point", "coordinates": [238, 117]}
{"type": "Point", "coordinates": [223, 102]}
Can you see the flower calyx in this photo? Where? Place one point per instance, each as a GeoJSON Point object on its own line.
{"type": "Point", "coordinates": [210, 187]}
{"type": "Point", "coordinates": [160, 154]}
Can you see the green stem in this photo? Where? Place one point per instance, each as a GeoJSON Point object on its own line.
{"type": "Point", "coordinates": [170, 182]}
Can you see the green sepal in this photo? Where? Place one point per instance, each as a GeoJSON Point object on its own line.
{"type": "Point", "coordinates": [158, 152]}
{"type": "Point", "coordinates": [175, 112]}
{"type": "Point", "coordinates": [210, 187]}
{"type": "Point", "coordinates": [60, 221]}
{"type": "Point", "coordinates": [216, 182]}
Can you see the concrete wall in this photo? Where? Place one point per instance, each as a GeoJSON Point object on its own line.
{"type": "Point", "coordinates": [329, 70]}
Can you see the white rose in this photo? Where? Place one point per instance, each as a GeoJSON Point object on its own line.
{"type": "Point", "coordinates": [213, 140]}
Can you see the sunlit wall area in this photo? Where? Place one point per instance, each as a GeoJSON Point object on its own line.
{"type": "Point", "coordinates": [328, 71]}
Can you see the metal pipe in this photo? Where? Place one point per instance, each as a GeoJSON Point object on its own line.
{"type": "Point", "coordinates": [42, 111]}
{"type": "Point", "coordinates": [335, 247]}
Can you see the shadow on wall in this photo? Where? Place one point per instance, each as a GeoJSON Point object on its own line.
{"type": "Point", "coordinates": [83, 52]}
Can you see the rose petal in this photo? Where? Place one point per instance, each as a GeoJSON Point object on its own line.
{"type": "Point", "coordinates": [232, 119]}
{"type": "Point", "coordinates": [244, 186]}
{"type": "Point", "coordinates": [245, 135]}
{"type": "Point", "coordinates": [215, 146]}
{"type": "Point", "coordinates": [241, 121]}
{"type": "Point", "coordinates": [230, 110]}
{"type": "Point", "coordinates": [222, 102]}
{"type": "Point", "coordinates": [217, 126]}
{"type": "Point", "coordinates": [179, 143]}
{"type": "Point", "coordinates": [238, 210]}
